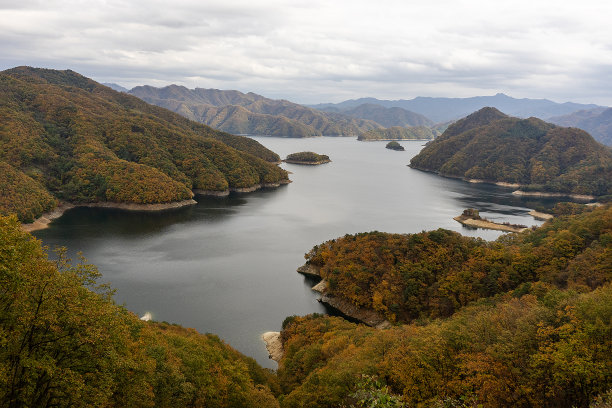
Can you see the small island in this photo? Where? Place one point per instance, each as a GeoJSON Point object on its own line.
{"type": "Point", "coordinates": [395, 146]}
{"type": "Point", "coordinates": [307, 158]}
{"type": "Point", "coordinates": [472, 218]}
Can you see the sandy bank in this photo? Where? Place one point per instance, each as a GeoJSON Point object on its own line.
{"type": "Point", "coordinates": [44, 220]}
{"type": "Point", "coordinates": [540, 215]}
{"type": "Point", "coordinates": [487, 224]}
{"type": "Point", "coordinates": [581, 197]}
{"type": "Point", "coordinates": [274, 345]}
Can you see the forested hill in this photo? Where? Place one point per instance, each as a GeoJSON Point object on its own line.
{"type": "Point", "coordinates": [65, 343]}
{"type": "Point", "coordinates": [249, 113]}
{"type": "Point", "coordinates": [540, 156]}
{"type": "Point", "coordinates": [524, 321]}
{"type": "Point", "coordinates": [65, 136]}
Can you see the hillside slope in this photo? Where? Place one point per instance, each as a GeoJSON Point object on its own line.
{"type": "Point", "coordinates": [524, 321]}
{"type": "Point", "coordinates": [388, 117]}
{"type": "Point", "coordinates": [488, 145]}
{"type": "Point", "coordinates": [83, 142]}
{"type": "Point", "coordinates": [65, 343]}
{"type": "Point", "coordinates": [259, 115]}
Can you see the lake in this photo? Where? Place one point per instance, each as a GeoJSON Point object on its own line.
{"type": "Point", "coordinates": [228, 265]}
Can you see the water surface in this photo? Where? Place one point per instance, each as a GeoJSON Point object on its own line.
{"type": "Point", "coordinates": [227, 265]}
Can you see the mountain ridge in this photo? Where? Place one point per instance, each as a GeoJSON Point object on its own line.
{"type": "Point", "coordinates": [67, 136]}
{"type": "Point", "coordinates": [440, 109]}
{"type": "Point", "coordinates": [283, 118]}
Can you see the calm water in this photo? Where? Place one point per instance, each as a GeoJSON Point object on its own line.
{"type": "Point", "coordinates": [227, 265]}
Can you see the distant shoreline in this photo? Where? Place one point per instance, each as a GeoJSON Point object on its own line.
{"type": "Point", "coordinates": [580, 197]}
{"type": "Point", "coordinates": [225, 193]}
{"type": "Point", "coordinates": [540, 215]}
{"type": "Point", "coordinates": [45, 219]}
{"type": "Point", "coordinates": [395, 140]}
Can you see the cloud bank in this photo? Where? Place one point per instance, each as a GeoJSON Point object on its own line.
{"type": "Point", "coordinates": [317, 51]}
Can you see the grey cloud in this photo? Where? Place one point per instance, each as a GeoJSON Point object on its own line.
{"type": "Point", "coordinates": [314, 51]}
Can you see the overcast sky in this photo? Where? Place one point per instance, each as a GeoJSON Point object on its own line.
{"type": "Point", "coordinates": [324, 51]}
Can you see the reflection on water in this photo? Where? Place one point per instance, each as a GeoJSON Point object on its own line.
{"type": "Point", "coordinates": [227, 265]}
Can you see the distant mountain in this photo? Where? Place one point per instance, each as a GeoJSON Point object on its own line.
{"type": "Point", "coordinates": [489, 145]}
{"type": "Point", "coordinates": [445, 109]}
{"type": "Point", "coordinates": [115, 87]}
{"type": "Point", "coordinates": [400, 133]}
{"type": "Point", "coordinates": [241, 113]}
{"type": "Point", "coordinates": [388, 117]}
{"type": "Point", "coordinates": [598, 122]}
{"type": "Point", "coordinates": [67, 137]}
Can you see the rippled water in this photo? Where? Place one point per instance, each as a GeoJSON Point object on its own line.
{"type": "Point", "coordinates": [227, 265]}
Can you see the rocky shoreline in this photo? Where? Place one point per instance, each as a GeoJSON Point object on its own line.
{"type": "Point", "coordinates": [224, 193]}
{"type": "Point", "coordinates": [366, 316]}
{"type": "Point", "coordinates": [274, 345]}
{"type": "Point", "coordinates": [581, 197]}
{"type": "Point", "coordinates": [45, 219]}
{"type": "Point", "coordinates": [307, 162]}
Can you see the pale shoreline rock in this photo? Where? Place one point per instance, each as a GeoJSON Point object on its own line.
{"type": "Point", "coordinates": [310, 270]}
{"type": "Point", "coordinates": [540, 215]}
{"type": "Point", "coordinates": [274, 345]}
{"type": "Point", "coordinates": [581, 197]}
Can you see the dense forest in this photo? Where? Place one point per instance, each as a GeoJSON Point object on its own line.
{"type": "Point", "coordinates": [67, 137]}
{"type": "Point", "coordinates": [540, 156]}
{"type": "Point", "coordinates": [400, 133]}
{"type": "Point", "coordinates": [394, 146]}
{"type": "Point", "coordinates": [525, 321]}
{"type": "Point", "coordinates": [432, 274]}
{"type": "Point", "coordinates": [66, 344]}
